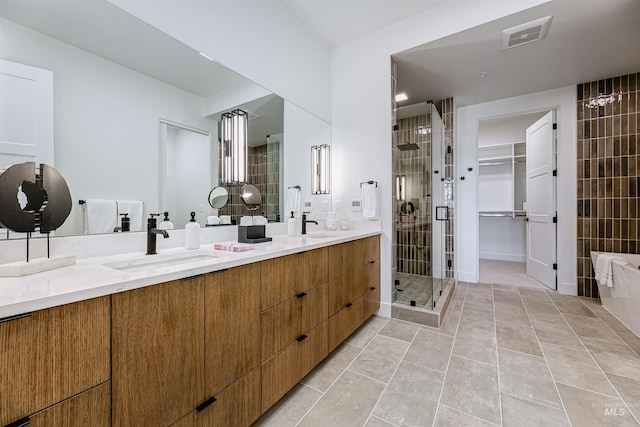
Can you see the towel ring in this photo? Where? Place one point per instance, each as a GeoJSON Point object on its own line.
{"type": "Point", "coordinates": [369, 182]}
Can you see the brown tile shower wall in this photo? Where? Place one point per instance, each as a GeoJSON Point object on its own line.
{"type": "Point", "coordinates": [449, 141]}
{"type": "Point", "coordinates": [413, 231]}
{"type": "Point", "coordinates": [608, 184]}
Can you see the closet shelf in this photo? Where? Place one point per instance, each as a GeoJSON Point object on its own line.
{"type": "Point", "coordinates": [502, 214]}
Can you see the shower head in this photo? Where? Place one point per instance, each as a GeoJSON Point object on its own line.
{"type": "Point", "coordinates": [408, 146]}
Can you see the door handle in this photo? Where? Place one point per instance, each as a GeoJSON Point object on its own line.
{"type": "Point", "coordinates": [439, 212]}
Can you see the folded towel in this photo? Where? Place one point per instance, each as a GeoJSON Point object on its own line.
{"type": "Point", "coordinates": [246, 220]}
{"type": "Point", "coordinates": [101, 216]}
{"type": "Point", "coordinates": [292, 203]}
{"type": "Point", "coordinates": [225, 219]}
{"type": "Point", "coordinates": [213, 220]}
{"type": "Point", "coordinates": [135, 209]}
{"type": "Point", "coordinates": [369, 201]}
{"type": "Point", "coordinates": [604, 272]}
{"type": "Point", "coordinates": [260, 220]}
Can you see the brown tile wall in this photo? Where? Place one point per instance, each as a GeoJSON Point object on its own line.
{"type": "Point", "coordinates": [449, 141]}
{"type": "Point", "coordinates": [608, 185]}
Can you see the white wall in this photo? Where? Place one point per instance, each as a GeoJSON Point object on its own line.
{"type": "Point", "coordinates": [361, 103]}
{"type": "Point", "coordinates": [105, 120]}
{"type": "Point", "coordinates": [262, 40]}
{"type": "Point", "coordinates": [467, 123]}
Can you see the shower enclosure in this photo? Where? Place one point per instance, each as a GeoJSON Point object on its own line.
{"type": "Point", "coordinates": [423, 205]}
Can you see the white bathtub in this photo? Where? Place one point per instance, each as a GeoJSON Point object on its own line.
{"type": "Point", "coordinates": [623, 298]}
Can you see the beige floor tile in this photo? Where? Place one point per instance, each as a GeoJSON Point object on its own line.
{"type": "Point", "coordinates": [504, 288]}
{"type": "Point", "coordinates": [556, 332]}
{"type": "Point", "coordinates": [527, 377]}
{"type": "Point", "coordinates": [377, 422]}
{"type": "Point", "coordinates": [591, 327]}
{"type": "Point", "coordinates": [291, 408]}
{"type": "Point", "coordinates": [506, 297]}
{"type": "Point", "coordinates": [586, 408]}
{"type": "Point", "coordinates": [411, 398]}
{"type": "Point", "coordinates": [472, 387]}
{"type": "Point", "coordinates": [347, 403]}
{"type": "Point", "coordinates": [518, 412]}
{"type": "Point", "coordinates": [400, 330]}
{"type": "Point", "coordinates": [512, 313]}
{"type": "Point", "coordinates": [629, 390]}
{"type": "Point", "coordinates": [447, 417]}
{"type": "Point", "coordinates": [367, 331]}
{"type": "Point", "coordinates": [475, 318]}
{"type": "Point", "coordinates": [534, 295]}
{"type": "Point", "coordinates": [568, 304]}
{"type": "Point", "coordinates": [614, 358]}
{"type": "Point", "coordinates": [481, 300]}
{"type": "Point", "coordinates": [542, 310]}
{"type": "Point", "coordinates": [609, 319]}
{"type": "Point", "coordinates": [430, 349]}
{"type": "Point", "coordinates": [518, 338]}
{"type": "Point", "coordinates": [632, 341]}
{"type": "Point", "coordinates": [476, 344]}
{"type": "Point", "coordinates": [330, 369]}
{"type": "Point", "coordinates": [576, 368]}
{"type": "Point", "coordinates": [451, 320]}
{"type": "Point", "coordinates": [380, 358]}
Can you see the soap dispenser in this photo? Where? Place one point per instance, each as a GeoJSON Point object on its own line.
{"type": "Point", "coordinates": [192, 233]}
{"type": "Point", "coordinates": [166, 224]}
{"type": "Point", "coordinates": [292, 226]}
{"type": "Point", "coordinates": [125, 223]}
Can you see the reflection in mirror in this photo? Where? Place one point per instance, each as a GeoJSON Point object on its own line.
{"type": "Point", "coordinates": [218, 197]}
{"type": "Point", "coordinates": [251, 197]}
{"type": "Point", "coordinates": [113, 101]}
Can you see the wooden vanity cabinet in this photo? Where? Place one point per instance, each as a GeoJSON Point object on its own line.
{"type": "Point", "coordinates": [158, 352]}
{"type": "Point", "coordinates": [90, 408]}
{"type": "Point", "coordinates": [294, 330]}
{"type": "Point", "coordinates": [50, 355]}
{"type": "Point", "coordinates": [354, 286]}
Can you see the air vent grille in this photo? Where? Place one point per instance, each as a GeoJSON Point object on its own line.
{"type": "Point", "coordinates": [526, 33]}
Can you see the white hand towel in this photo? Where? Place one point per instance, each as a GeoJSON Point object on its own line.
{"type": "Point", "coordinates": [369, 201]}
{"type": "Point", "coordinates": [293, 201]}
{"type": "Point", "coordinates": [135, 209]}
{"type": "Point", "coordinates": [246, 220]}
{"type": "Point", "coordinates": [260, 220]}
{"type": "Point", "coordinates": [101, 216]}
{"type": "Point", "coordinates": [604, 272]}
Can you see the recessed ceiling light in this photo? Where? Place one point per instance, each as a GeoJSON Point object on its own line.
{"type": "Point", "coordinates": [207, 56]}
{"type": "Point", "coordinates": [483, 74]}
{"type": "Point", "coordinates": [401, 97]}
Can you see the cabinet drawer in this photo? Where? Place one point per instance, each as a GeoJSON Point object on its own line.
{"type": "Point", "coordinates": [52, 355]}
{"type": "Point", "coordinates": [236, 406]}
{"type": "Point", "coordinates": [287, 321]}
{"type": "Point", "coordinates": [285, 277]}
{"type": "Point", "coordinates": [371, 301]}
{"type": "Point", "coordinates": [370, 249]}
{"type": "Point", "coordinates": [91, 408]}
{"type": "Point", "coordinates": [346, 274]}
{"type": "Point", "coordinates": [287, 368]}
{"type": "Point", "coordinates": [344, 322]}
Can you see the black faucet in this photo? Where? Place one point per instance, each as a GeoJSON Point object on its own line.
{"type": "Point", "coordinates": [152, 231]}
{"type": "Point", "coordinates": [304, 223]}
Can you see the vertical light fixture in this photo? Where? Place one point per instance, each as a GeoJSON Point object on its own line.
{"type": "Point", "coordinates": [233, 147]}
{"type": "Point", "coordinates": [401, 181]}
{"type": "Point", "coordinates": [320, 169]}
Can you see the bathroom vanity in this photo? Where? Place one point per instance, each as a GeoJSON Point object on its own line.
{"type": "Point", "coordinates": [215, 339]}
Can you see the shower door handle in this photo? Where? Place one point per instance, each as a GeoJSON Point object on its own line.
{"type": "Point", "coordinates": [439, 212]}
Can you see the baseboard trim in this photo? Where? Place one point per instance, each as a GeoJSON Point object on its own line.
{"type": "Point", "coordinates": [503, 257]}
{"type": "Point", "coordinates": [568, 288]}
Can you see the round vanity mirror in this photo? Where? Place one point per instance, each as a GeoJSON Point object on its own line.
{"type": "Point", "coordinates": [251, 197]}
{"type": "Point", "coordinates": [218, 197]}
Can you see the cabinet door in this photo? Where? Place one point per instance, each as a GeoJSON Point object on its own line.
{"type": "Point", "coordinates": [344, 322]}
{"type": "Point", "coordinates": [91, 408]}
{"type": "Point", "coordinates": [158, 352]}
{"type": "Point", "coordinates": [236, 406]}
{"type": "Point", "coordinates": [346, 272]}
{"type": "Point", "coordinates": [371, 288]}
{"type": "Point", "coordinates": [370, 249]}
{"type": "Point", "coordinates": [232, 326]}
{"type": "Point", "coordinates": [51, 355]}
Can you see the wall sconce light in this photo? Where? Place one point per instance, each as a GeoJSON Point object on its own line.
{"type": "Point", "coordinates": [320, 169]}
{"type": "Point", "coordinates": [401, 182]}
{"type": "Point", "coordinates": [233, 147]}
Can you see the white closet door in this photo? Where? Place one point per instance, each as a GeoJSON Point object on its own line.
{"type": "Point", "coordinates": [541, 200]}
{"type": "Point", "coordinates": [26, 114]}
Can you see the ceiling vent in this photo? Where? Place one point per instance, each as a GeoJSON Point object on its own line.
{"type": "Point", "coordinates": [526, 33]}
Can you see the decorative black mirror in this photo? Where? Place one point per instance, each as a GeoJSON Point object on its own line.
{"type": "Point", "coordinates": [251, 197]}
{"type": "Point", "coordinates": [218, 197]}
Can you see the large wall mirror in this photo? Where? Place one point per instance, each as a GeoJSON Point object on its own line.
{"type": "Point", "coordinates": [135, 112]}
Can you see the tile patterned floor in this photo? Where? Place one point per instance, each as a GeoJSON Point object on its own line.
{"type": "Point", "coordinates": [507, 272]}
{"type": "Point", "coordinates": [417, 288]}
{"type": "Point", "coordinates": [505, 356]}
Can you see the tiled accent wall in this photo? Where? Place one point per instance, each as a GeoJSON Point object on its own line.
{"type": "Point", "coordinates": [449, 141]}
{"type": "Point", "coordinates": [413, 215]}
{"type": "Point", "coordinates": [261, 159]}
{"type": "Point", "coordinates": [608, 187]}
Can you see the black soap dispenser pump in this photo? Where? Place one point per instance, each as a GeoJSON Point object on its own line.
{"type": "Point", "coordinates": [166, 224]}
{"type": "Point", "coordinates": [125, 222]}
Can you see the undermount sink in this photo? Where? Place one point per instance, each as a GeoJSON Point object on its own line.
{"type": "Point", "coordinates": [318, 235]}
{"type": "Point", "coordinates": [153, 262]}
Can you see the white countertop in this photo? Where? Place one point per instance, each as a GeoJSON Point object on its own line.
{"type": "Point", "coordinates": [90, 278]}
